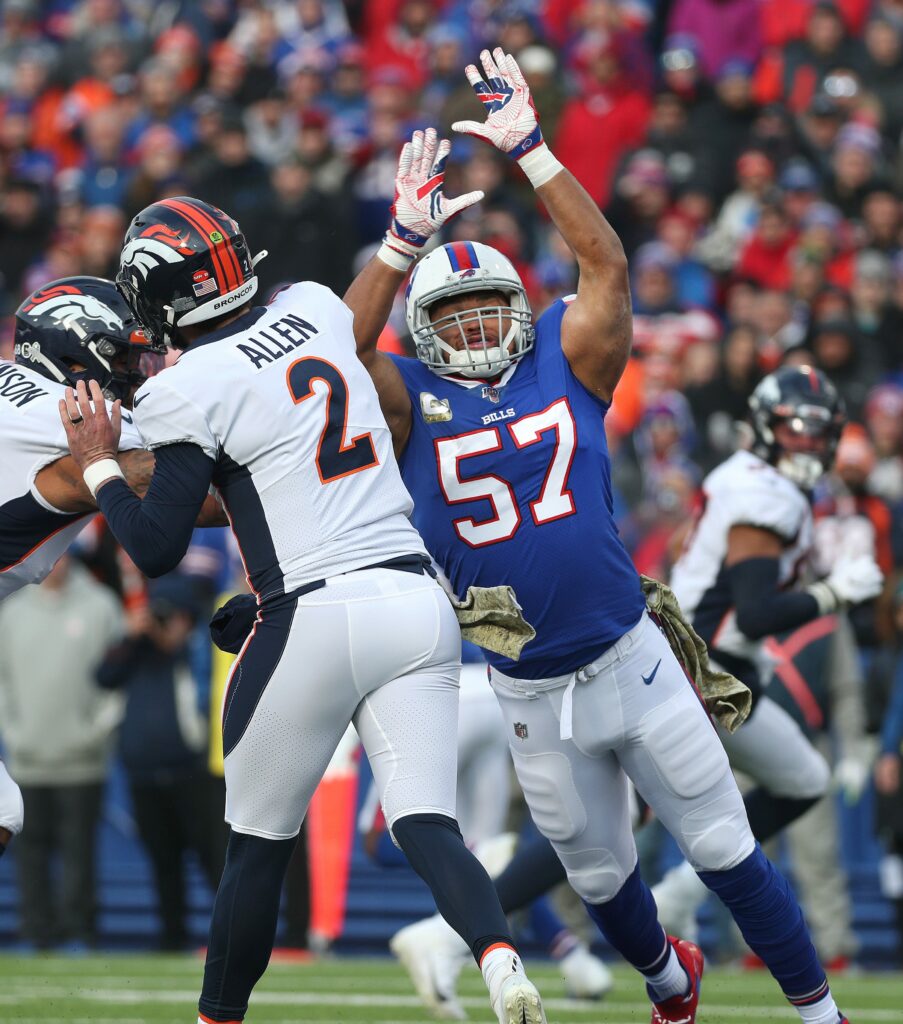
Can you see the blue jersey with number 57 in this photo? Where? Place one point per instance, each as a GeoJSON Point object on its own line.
{"type": "Point", "coordinates": [512, 485]}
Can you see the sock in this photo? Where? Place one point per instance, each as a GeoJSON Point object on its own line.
{"type": "Point", "coordinates": [630, 923]}
{"type": "Point", "coordinates": [771, 922]}
{"type": "Point", "coordinates": [533, 870]}
{"type": "Point", "coordinates": [500, 957]}
{"type": "Point", "coordinates": [463, 892]}
{"type": "Point", "coordinates": [769, 814]}
{"type": "Point", "coordinates": [666, 978]}
{"type": "Point", "coordinates": [243, 924]}
{"type": "Point", "coordinates": [822, 1011]}
{"type": "Point", "coordinates": [550, 931]}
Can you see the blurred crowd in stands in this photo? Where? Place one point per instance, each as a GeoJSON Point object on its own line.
{"type": "Point", "coordinates": [746, 151]}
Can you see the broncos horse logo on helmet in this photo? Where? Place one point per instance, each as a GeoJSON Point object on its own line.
{"type": "Point", "coordinates": [79, 328]}
{"type": "Point", "coordinates": [184, 262]}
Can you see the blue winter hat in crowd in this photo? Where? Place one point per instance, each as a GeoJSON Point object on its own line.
{"type": "Point", "coordinates": [798, 176]}
{"type": "Point", "coordinates": [173, 592]}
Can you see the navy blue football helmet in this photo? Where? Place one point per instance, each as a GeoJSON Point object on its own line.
{"type": "Point", "coordinates": [80, 328]}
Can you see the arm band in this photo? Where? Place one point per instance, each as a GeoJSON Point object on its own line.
{"type": "Point", "coordinates": [156, 532]}
{"type": "Point", "coordinates": [99, 472]}
{"type": "Point", "coordinates": [761, 608]}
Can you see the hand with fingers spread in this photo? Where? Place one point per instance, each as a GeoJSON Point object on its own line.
{"type": "Point", "coordinates": [512, 124]}
{"type": "Point", "coordinates": [93, 435]}
{"type": "Point", "coordinates": [420, 208]}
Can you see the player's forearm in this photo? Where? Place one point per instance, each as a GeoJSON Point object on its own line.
{"type": "Point", "coordinates": [580, 221]}
{"type": "Point", "coordinates": [370, 297]}
{"type": "Point", "coordinates": [138, 466]}
{"type": "Point", "coordinates": [761, 608]}
{"type": "Point", "coordinates": [156, 532]}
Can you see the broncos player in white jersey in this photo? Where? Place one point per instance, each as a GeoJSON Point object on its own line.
{"type": "Point", "coordinates": [77, 328]}
{"type": "Point", "coordinates": [499, 426]}
{"type": "Point", "coordinates": [737, 580]}
{"type": "Point", "coordinates": [271, 405]}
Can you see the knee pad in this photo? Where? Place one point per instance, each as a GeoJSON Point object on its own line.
{"type": "Point", "coordinates": [12, 809]}
{"type": "Point", "coordinates": [813, 779]}
{"type": "Point", "coordinates": [552, 797]}
{"type": "Point", "coordinates": [717, 836]}
{"type": "Point", "coordinates": [595, 875]}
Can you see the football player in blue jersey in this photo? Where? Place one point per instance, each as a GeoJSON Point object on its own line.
{"type": "Point", "coordinates": [499, 429]}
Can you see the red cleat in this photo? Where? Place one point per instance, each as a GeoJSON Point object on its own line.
{"type": "Point", "coordinates": [682, 1009]}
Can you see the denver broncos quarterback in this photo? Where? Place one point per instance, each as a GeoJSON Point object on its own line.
{"type": "Point", "coordinates": [499, 428]}
{"type": "Point", "coordinates": [271, 405]}
{"type": "Point", "coordinates": [77, 328]}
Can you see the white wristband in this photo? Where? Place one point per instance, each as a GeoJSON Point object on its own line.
{"type": "Point", "coordinates": [395, 258]}
{"type": "Point", "coordinates": [540, 165]}
{"type": "Point", "coordinates": [825, 596]}
{"type": "Point", "coordinates": [99, 472]}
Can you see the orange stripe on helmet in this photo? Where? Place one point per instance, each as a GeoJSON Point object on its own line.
{"type": "Point", "coordinates": [219, 270]}
{"type": "Point", "coordinates": [207, 225]}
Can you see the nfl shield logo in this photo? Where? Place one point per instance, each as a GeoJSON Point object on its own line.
{"type": "Point", "coordinates": [491, 393]}
{"type": "Point", "coordinates": [520, 730]}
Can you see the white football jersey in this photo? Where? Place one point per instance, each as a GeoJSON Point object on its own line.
{"type": "Point", "coordinates": [743, 491]}
{"type": "Point", "coordinates": [304, 461]}
{"type": "Point", "coordinates": [33, 534]}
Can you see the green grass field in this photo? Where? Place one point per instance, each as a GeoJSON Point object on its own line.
{"type": "Point", "coordinates": [147, 990]}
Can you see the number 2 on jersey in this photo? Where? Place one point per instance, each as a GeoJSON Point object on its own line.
{"type": "Point", "coordinates": [335, 458]}
{"type": "Point", "coordinates": [555, 500]}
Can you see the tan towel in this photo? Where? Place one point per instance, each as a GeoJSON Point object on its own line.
{"type": "Point", "coordinates": [490, 617]}
{"type": "Point", "coordinates": [726, 698]}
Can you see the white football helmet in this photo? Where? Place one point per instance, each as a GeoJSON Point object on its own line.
{"type": "Point", "coordinates": [454, 269]}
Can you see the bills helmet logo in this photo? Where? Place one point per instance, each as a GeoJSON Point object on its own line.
{"type": "Point", "coordinates": [64, 304]}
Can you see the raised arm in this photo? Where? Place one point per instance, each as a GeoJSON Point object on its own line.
{"type": "Point", "coordinates": [597, 328]}
{"type": "Point", "coordinates": [419, 210]}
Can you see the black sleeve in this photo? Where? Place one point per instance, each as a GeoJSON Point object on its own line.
{"type": "Point", "coordinates": [761, 608]}
{"type": "Point", "coordinates": [156, 531]}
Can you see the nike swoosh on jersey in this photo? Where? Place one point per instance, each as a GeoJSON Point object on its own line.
{"type": "Point", "coordinates": [136, 401]}
{"type": "Point", "coordinates": [648, 679]}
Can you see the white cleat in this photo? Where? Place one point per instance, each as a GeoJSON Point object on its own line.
{"type": "Point", "coordinates": [585, 976]}
{"type": "Point", "coordinates": [678, 896]}
{"type": "Point", "coordinates": [513, 996]}
{"type": "Point", "coordinates": [518, 1002]}
{"type": "Point", "coordinates": [433, 954]}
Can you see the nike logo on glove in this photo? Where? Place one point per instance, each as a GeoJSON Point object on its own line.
{"type": "Point", "coordinates": [648, 679]}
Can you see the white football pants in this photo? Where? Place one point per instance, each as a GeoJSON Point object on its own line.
{"type": "Point", "coordinates": [379, 648]}
{"type": "Point", "coordinates": [774, 751]}
{"type": "Point", "coordinates": [633, 714]}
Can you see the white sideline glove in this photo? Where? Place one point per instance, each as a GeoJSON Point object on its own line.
{"type": "Point", "coordinates": [12, 810]}
{"type": "Point", "coordinates": [512, 124]}
{"type": "Point", "coordinates": [420, 207]}
{"type": "Point", "coordinates": [856, 579]}
{"type": "Point", "coordinates": [851, 581]}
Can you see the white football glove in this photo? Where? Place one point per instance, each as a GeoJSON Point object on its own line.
{"type": "Point", "coordinates": [512, 124]}
{"type": "Point", "coordinates": [851, 581]}
{"type": "Point", "coordinates": [12, 810]}
{"type": "Point", "coordinates": [420, 207]}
